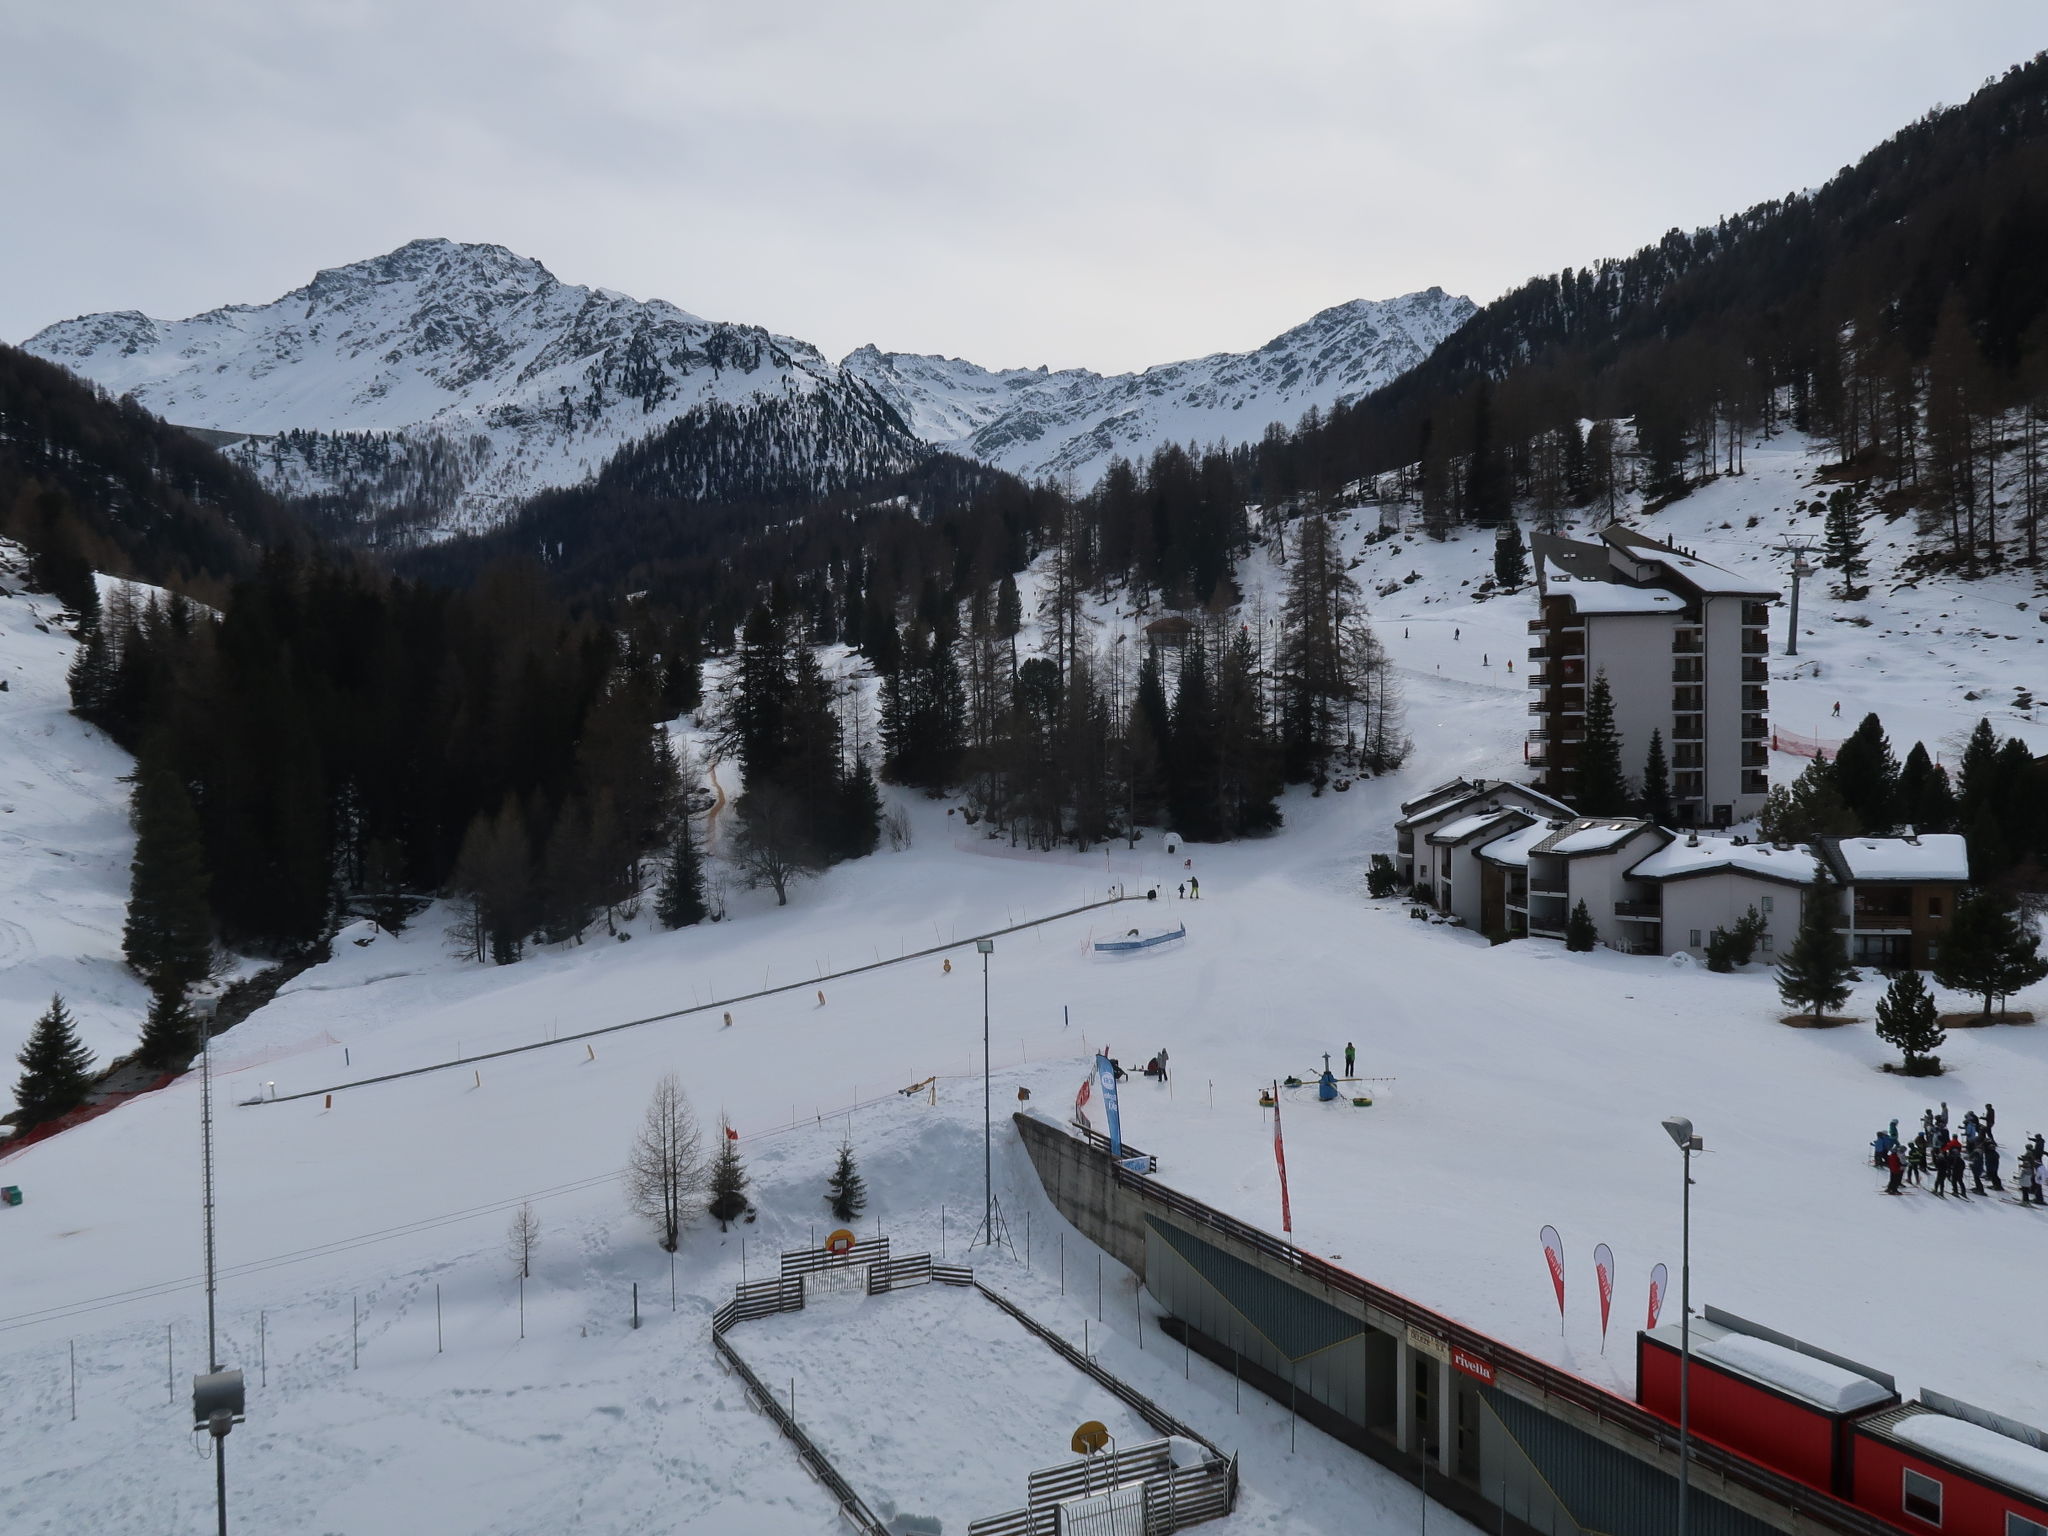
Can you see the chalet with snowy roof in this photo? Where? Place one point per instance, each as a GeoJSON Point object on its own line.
{"type": "Point", "coordinates": [1588, 859]}
{"type": "Point", "coordinates": [1458, 879]}
{"type": "Point", "coordinates": [1898, 894]}
{"type": "Point", "coordinates": [1451, 801]}
{"type": "Point", "coordinates": [1702, 882]}
{"type": "Point", "coordinates": [1682, 643]}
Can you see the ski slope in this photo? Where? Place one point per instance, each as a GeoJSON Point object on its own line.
{"type": "Point", "coordinates": [1521, 1085]}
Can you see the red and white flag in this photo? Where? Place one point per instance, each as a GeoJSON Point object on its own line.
{"type": "Point", "coordinates": [1280, 1158]}
{"type": "Point", "coordinates": [1553, 1255]}
{"type": "Point", "coordinates": [1603, 1269]}
{"type": "Point", "coordinates": [1660, 1281]}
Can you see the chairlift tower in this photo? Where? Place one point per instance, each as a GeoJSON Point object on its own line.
{"type": "Point", "coordinates": [991, 1232]}
{"type": "Point", "coordinates": [1798, 546]}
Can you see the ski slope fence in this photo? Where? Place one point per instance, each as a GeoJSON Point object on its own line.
{"type": "Point", "coordinates": [679, 1013]}
{"type": "Point", "coordinates": [1171, 1497]}
{"type": "Point", "coordinates": [1803, 746]}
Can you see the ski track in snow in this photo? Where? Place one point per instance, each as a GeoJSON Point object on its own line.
{"type": "Point", "coordinates": [1522, 1085]}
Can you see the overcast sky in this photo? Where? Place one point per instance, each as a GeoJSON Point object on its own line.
{"type": "Point", "coordinates": [1106, 184]}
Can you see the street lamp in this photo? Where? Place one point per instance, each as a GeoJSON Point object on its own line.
{"type": "Point", "coordinates": [1679, 1129]}
{"type": "Point", "coordinates": [988, 1187]}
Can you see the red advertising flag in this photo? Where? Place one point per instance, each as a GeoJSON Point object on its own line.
{"type": "Point", "coordinates": [1553, 1255]}
{"type": "Point", "coordinates": [1081, 1101]}
{"type": "Point", "coordinates": [1280, 1158]}
{"type": "Point", "coordinates": [1660, 1281]}
{"type": "Point", "coordinates": [1603, 1268]}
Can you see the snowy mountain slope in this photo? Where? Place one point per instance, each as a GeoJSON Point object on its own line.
{"type": "Point", "coordinates": [479, 360]}
{"type": "Point", "coordinates": [1072, 423]}
{"type": "Point", "coordinates": [446, 381]}
{"type": "Point", "coordinates": [65, 843]}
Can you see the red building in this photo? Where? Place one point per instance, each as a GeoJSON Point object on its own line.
{"type": "Point", "coordinates": [1929, 1471]}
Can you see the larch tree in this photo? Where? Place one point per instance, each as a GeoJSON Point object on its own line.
{"type": "Point", "coordinates": [666, 1172]}
{"type": "Point", "coordinates": [522, 1239]}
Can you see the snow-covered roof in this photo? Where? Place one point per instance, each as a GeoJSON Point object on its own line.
{"type": "Point", "coordinates": [1462, 797]}
{"type": "Point", "coordinates": [1436, 799]}
{"type": "Point", "coordinates": [1819, 1382]}
{"type": "Point", "coordinates": [1613, 597]}
{"type": "Point", "coordinates": [1933, 856]}
{"type": "Point", "coordinates": [1470, 826]}
{"type": "Point", "coordinates": [1980, 1449]}
{"type": "Point", "coordinates": [1592, 834]}
{"type": "Point", "coordinates": [1690, 856]}
{"type": "Point", "coordinates": [1513, 849]}
{"type": "Point", "coordinates": [1709, 577]}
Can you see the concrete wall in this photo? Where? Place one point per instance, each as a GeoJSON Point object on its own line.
{"type": "Point", "coordinates": [1634, 650]}
{"type": "Point", "coordinates": [1598, 880]}
{"type": "Point", "coordinates": [1080, 1186]}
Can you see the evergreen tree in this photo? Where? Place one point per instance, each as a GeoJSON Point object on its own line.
{"type": "Point", "coordinates": [860, 811]}
{"type": "Point", "coordinates": [1810, 807]}
{"type": "Point", "coordinates": [91, 674]}
{"type": "Point", "coordinates": [1906, 1019]}
{"type": "Point", "coordinates": [846, 1192]}
{"type": "Point", "coordinates": [1814, 973]}
{"type": "Point", "coordinates": [1867, 777]}
{"type": "Point", "coordinates": [167, 937]}
{"type": "Point", "coordinates": [1657, 783]}
{"type": "Point", "coordinates": [170, 1034]}
{"type": "Point", "coordinates": [1601, 788]}
{"type": "Point", "coordinates": [1989, 950]}
{"type": "Point", "coordinates": [1314, 682]}
{"type": "Point", "coordinates": [1580, 935]}
{"type": "Point", "coordinates": [680, 901]}
{"type": "Point", "coordinates": [1844, 554]}
{"type": "Point", "coordinates": [728, 1182]}
{"type": "Point", "coordinates": [1510, 557]}
{"type": "Point", "coordinates": [1924, 800]}
{"type": "Point", "coordinates": [56, 1070]}
{"type": "Point", "coordinates": [1382, 879]}
{"type": "Point", "coordinates": [1729, 947]}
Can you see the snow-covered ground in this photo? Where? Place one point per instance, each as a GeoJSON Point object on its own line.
{"type": "Point", "coordinates": [1523, 1085]}
{"type": "Point", "coordinates": [65, 842]}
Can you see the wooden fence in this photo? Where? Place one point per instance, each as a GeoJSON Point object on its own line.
{"type": "Point", "coordinates": [899, 1274]}
{"type": "Point", "coordinates": [1141, 1481]}
{"type": "Point", "coordinates": [808, 1261]}
{"type": "Point", "coordinates": [852, 1508]}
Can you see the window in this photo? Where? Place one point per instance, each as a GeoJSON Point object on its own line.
{"type": "Point", "coordinates": [1767, 950]}
{"type": "Point", "coordinates": [1922, 1497]}
{"type": "Point", "coordinates": [1695, 944]}
{"type": "Point", "coordinates": [2020, 1525]}
{"type": "Point", "coordinates": [1767, 903]}
{"type": "Point", "coordinates": [1934, 910]}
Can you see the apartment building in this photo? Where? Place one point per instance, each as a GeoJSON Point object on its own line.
{"type": "Point", "coordinates": [1682, 644]}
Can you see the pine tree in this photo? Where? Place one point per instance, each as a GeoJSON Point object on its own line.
{"type": "Point", "coordinates": [1657, 783]}
{"type": "Point", "coordinates": [1510, 557]}
{"type": "Point", "coordinates": [56, 1070]}
{"type": "Point", "coordinates": [680, 901]}
{"type": "Point", "coordinates": [1989, 950]}
{"type": "Point", "coordinates": [860, 811]}
{"type": "Point", "coordinates": [1580, 936]}
{"type": "Point", "coordinates": [1314, 682]}
{"type": "Point", "coordinates": [91, 674]}
{"type": "Point", "coordinates": [1382, 879]}
{"type": "Point", "coordinates": [1867, 777]}
{"type": "Point", "coordinates": [170, 1034]}
{"type": "Point", "coordinates": [1846, 545]}
{"type": "Point", "coordinates": [1814, 973]}
{"type": "Point", "coordinates": [1924, 800]}
{"type": "Point", "coordinates": [1906, 1018]}
{"type": "Point", "coordinates": [1601, 788]}
{"type": "Point", "coordinates": [846, 1191]}
{"type": "Point", "coordinates": [728, 1182]}
{"type": "Point", "coordinates": [167, 936]}
{"type": "Point", "coordinates": [1810, 807]}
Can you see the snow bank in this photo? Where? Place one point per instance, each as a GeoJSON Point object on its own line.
{"type": "Point", "coordinates": [1826, 1386]}
{"type": "Point", "coordinates": [1979, 1449]}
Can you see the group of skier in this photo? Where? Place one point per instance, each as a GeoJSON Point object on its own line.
{"type": "Point", "coordinates": [1950, 1153]}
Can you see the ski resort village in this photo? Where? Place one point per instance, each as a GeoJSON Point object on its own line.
{"type": "Point", "coordinates": [611, 926]}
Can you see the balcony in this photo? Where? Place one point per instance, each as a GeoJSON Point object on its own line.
{"type": "Point", "coordinates": [1687, 670]}
{"type": "Point", "coordinates": [1539, 707]}
{"type": "Point", "coordinates": [1755, 643]}
{"type": "Point", "coordinates": [1755, 782]}
{"type": "Point", "coordinates": [1757, 614]}
{"type": "Point", "coordinates": [1545, 888]}
{"type": "Point", "coordinates": [1754, 671]}
{"type": "Point", "coordinates": [1757, 699]}
{"type": "Point", "coordinates": [1755, 755]}
{"type": "Point", "coordinates": [1755, 728]}
{"type": "Point", "coordinates": [1687, 642]}
{"type": "Point", "coordinates": [1688, 728]}
{"type": "Point", "coordinates": [1538, 626]}
{"type": "Point", "coordinates": [1640, 911]}
{"type": "Point", "coordinates": [1865, 924]}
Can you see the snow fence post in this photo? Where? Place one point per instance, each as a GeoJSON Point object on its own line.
{"type": "Point", "coordinates": [636, 1305]}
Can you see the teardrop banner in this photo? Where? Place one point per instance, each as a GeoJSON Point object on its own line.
{"type": "Point", "coordinates": [1660, 1281]}
{"type": "Point", "coordinates": [1603, 1268]}
{"type": "Point", "coordinates": [1553, 1255]}
{"type": "Point", "coordinates": [1280, 1158]}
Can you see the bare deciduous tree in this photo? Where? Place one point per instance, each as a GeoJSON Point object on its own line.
{"type": "Point", "coordinates": [772, 848]}
{"type": "Point", "coordinates": [522, 1239]}
{"type": "Point", "coordinates": [667, 1175]}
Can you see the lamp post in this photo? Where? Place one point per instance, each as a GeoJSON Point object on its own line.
{"type": "Point", "coordinates": [1679, 1129]}
{"type": "Point", "coordinates": [988, 1186]}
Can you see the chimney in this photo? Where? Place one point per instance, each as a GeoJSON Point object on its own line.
{"type": "Point", "coordinates": [1693, 841]}
{"type": "Point", "coordinates": [1912, 835]}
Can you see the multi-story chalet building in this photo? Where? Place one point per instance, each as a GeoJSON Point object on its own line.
{"type": "Point", "coordinates": [1683, 646]}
